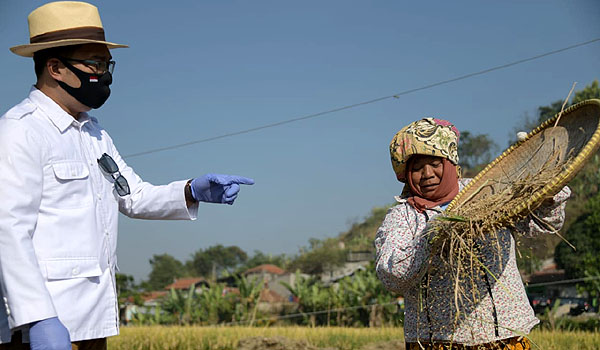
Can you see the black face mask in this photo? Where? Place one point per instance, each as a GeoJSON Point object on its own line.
{"type": "Point", "coordinates": [94, 90]}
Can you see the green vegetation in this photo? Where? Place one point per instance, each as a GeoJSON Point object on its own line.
{"type": "Point", "coordinates": [584, 234]}
{"type": "Point", "coordinates": [361, 235]}
{"type": "Point", "coordinates": [321, 256]}
{"type": "Point", "coordinates": [475, 152]}
{"type": "Point", "coordinates": [165, 269]}
{"type": "Point", "coordinates": [359, 301]}
{"type": "Point", "coordinates": [212, 260]}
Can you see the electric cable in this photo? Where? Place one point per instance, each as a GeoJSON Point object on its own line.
{"type": "Point", "coordinates": [379, 99]}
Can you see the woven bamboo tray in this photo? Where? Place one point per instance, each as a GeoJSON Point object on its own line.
{"type": "Point", "coordinates": [566, 146]}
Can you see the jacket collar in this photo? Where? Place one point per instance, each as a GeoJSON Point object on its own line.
{"type": "Point", "coordinates": [61, 119]}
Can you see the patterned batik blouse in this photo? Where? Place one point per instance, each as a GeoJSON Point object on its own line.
{"type": "Point", "coordinates": [493, 304]}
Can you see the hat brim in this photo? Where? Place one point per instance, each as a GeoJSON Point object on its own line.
{"type": "Point", "coordinates": [29, 49]}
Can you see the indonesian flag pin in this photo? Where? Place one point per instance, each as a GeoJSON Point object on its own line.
{"type": "Point", "coordinates": [93, 79]}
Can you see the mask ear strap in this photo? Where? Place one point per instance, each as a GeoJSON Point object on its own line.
{"type": "Point", "coordinates": [67, 64]}
{"type": "Point", "coordinates": [78, 72]}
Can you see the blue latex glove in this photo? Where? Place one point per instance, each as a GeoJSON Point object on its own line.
{"type": "Point", "coordinates": [217, 188]}
{"type": "Point", "coordinates": [49, 334]}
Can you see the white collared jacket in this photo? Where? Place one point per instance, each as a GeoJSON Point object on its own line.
{"type": "Point", "coordinates": [58, 219]}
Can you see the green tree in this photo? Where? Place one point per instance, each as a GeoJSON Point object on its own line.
{"type": "Point", "coordinates": [360, 236]}
{"type": "Point", "coordinates": [127, 289]}
{"type": "Point", "coordinates": [247, 300]}
{"type": "Point", "coordinates": [215, 305]}
{"type": "Point", "coordinates": [181, 305]}
{"type": "Point", "coordinates": [215, 259]}
{"type": "Point", "coordinates": [312, 296]}
{"type": "Point", "coordinates": [260, 258]}
{"type": "Point", "coordinates": [584, 186]}
{"type": "Point", "coordinates": [544, 113]}
{"type": "Point", "coordinates": [584, 234]}
{"type": "Point", "coordinates": [589, 92]}
{"type": "Point", "coordinates": [125, 283]}
{"type": "Point", "coordinates": [365, 300]}
{"type": "Point", "coordinates": [475, 152]}
{"type": "Point", "coordinates": [547, 112]}
{"type": "Point", "coordinates": [321, 256]}
{"type": "Point", "coordinates": [165, 269]}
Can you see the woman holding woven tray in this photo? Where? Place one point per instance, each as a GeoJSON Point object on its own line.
{"type": "Point", "coordinates": [486, 308]}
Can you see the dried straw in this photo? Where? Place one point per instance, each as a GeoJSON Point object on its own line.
{"type": "Point", "coordinates": [456, 240]}
{"type": "Point", "coordinates": [457, 237]}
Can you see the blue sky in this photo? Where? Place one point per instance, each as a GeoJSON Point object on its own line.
{"type": "Point", "coordinates": [198, 69]}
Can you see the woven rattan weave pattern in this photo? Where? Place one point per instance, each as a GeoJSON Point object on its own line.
{"type": "Point", "coordinates": [556, 149]}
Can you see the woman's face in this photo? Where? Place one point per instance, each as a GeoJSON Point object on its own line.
{"type": "Point", "coordinates": [426, 174]}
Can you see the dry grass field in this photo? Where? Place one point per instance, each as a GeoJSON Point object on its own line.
{"type": "Point", "coordinates": [300, 338]}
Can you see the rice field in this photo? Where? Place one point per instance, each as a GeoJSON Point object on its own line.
{"type": "Point", "coordinates": [227, 338]}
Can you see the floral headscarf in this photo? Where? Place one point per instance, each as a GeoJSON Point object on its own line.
{"type": "Point", "coordinates": [428, 136]}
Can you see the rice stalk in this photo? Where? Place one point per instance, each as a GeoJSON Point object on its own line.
{"type": "Point", "coordinates": [458, 238]}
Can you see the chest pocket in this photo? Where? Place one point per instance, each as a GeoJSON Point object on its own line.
{"type": "Point", "coordinates": [71, 268]}
{"type": "Point", "coordinates": [70, 186]}
{"type": "Point", "coordinates": [70, 170]}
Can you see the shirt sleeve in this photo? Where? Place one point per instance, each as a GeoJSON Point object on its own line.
{"type": "Point", "coordinates": [26, 297]}
{"type": "Point", "coordinates": [548, 218]}
{"type": "Point", "coordinates": [148, 201]}
{"type": "Point", "coordinates": [402, 249]}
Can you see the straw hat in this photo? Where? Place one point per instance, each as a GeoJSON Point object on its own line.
{"type": "Point", "coordinates": [63, 23]}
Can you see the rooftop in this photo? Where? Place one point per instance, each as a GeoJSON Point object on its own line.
{"type": "Point", "coordinates": [268, 268]}
{"type": "Point", "coordinates": [186, 283]}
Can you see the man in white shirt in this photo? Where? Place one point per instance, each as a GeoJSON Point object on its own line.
{"type": "Point", "coordinates": [63, 185]}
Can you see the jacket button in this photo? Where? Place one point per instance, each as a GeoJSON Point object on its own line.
{"type": "Point", "coordinates": [6, 306]}
{"type": "Point", "coordinates": [75, 271]}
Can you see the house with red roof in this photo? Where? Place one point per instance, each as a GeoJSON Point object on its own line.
{"type": "Point", "coordinates": [185, 284]}
{"type": "Point", "coordinates": [151, 301]}
{"type": "Point", "coordinates": [272, 276]}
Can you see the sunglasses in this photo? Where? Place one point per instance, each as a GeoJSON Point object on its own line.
{"type": "Point", "coordinates": [108, 165]}
{"type": "Point", "coordinates": [101, 67]}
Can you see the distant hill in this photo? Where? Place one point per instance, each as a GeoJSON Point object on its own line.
{"type": "Point", "coordinates": [332, 253]}
{"type": "Point", "coordinates": [361, 235]}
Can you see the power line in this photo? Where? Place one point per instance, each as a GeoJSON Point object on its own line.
{"type": "Point", "coordinates": [356, 307]}
{"type": "Point", "coordinates": [349, 308]}
{"type": "Point", "coordinates": [564, 281]}
{"type": "Point", "coordinates": [397, 95]}
{"type": "Point", "coordinates": [320, 312]}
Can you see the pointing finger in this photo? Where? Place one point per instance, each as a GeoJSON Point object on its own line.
{"type": "Point", "coordinates": [242, 180]}
{"type": "Point", "coordinates": [231, 190]}
{"type": "Point", "coordinates": [229, 179]}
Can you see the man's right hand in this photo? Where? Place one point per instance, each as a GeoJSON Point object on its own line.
{"type": "Point", "coordinates": [218, 188]}
{"type": "Point", "coordinates": [49, 334]}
